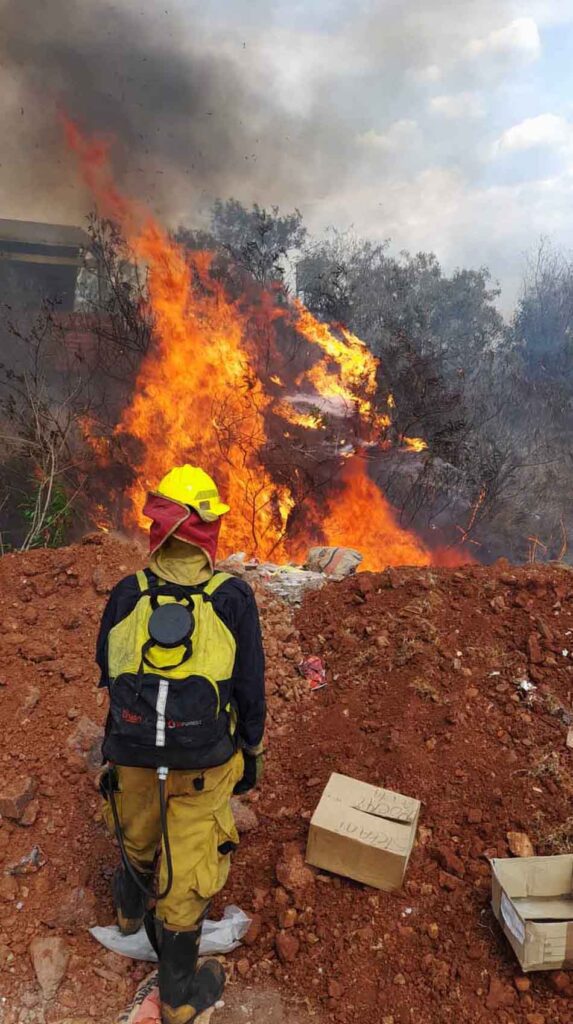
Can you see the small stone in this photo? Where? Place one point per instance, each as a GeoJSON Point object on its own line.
{"type": "Point", "coordinates": [15, 797]}
{"type": "Point", "coordinates": [520, 844]}
{"type": "Point", "coordinates": [534, 650]}
{"type": "Point", "coordinates": [287, 947]}
{"type": "Point", "coordinates": [450, 861]}
{"type": "Point", "coordinates": [287, 918]}
{"type": "Point", "coordinates": [30, 814]}
{"type": "Point", "coordinates": [243, 967]}
{"type": "Point", "coordinates": [433, 930]}
{"type": "Point", "coordinates": [50, 958]}
{"type": "Point", "coordinates": [30, 615]}
{"type": "Point", "coordinates": [8, 889]}
{"type": "Point", "coordinates": [32, 698]}
{"type": "Point", "coordinates": [84, 744]}
{"type": "Point", "coordinates": [291, 870]}
{"type": "Point", "coordinates": [399, 979]}
{"type": "Point", "coordinates": [77, 909]}
{"type": "Point", "coordinates": [474, 816]}
{"type": "Point", "coordinates": [561, 982]}
{"type": "Point", "coordinates": [535, 1018]}
{"type": "Point", "coordinates": [252, 936]}
{"type": "Point", "coordinates": [245, 818]}
{"type": "Point", "coordinates": [335, 989]}
{"type": "Point", "coordinates": [521, 983]}
{"type": "Point", "coordinates": [499, 995]}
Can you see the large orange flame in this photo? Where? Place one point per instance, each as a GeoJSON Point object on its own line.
{"type": "Point", "coordinates": [200, 396]}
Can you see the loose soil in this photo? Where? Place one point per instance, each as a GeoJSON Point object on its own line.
{"type": "Point", "coordinates": [424, 670]}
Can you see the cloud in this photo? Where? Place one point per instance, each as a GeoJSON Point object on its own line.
{"type": "Point", "coordinates": [400, 134]}
{"type": "Point", "coordinates": [518, 40]}
{"type": "Point", "coordinates": [548, 131]}
{"type": "Point", "coordinates": [456, 105]}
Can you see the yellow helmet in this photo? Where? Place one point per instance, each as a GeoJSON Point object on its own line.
{"type": "Point", "coordinates": [193, 486]}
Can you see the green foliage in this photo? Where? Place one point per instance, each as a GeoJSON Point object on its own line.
{"type": "Point", "coordinates": [52, 529]}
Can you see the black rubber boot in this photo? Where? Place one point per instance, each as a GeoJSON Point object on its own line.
{"type": "Point", "coordinates": [184, 991]}
{"type": "Point", "coordinates": [130, 902]}
{"type": "Point", "coordinates": [154, 931]}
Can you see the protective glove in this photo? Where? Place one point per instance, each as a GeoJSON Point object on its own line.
{"type": "Point", "coordinates": [252, 773]}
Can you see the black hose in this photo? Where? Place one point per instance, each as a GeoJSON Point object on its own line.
{"type": "Point", "coordinates": [165, 833]}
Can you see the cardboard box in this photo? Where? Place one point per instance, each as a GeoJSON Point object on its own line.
{"type": "Point", "coordinates": [363, 832]}
{"type": "Point", "coordinates": [532, 898]}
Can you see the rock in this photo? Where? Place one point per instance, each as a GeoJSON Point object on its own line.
{"type": "Point", "coordinates": [474, 816]}
{"type": "Point", "coordinates": [84, 743]}
{"type": "Point", "coordinates": [499, 995]}
{"type": "Point", "coordinates": [255, 927]}
{"type": "Point", "coordinates": [520, 844]}
{"type": "Point", "coordinates": [243, 967]}
{"type": "Point", "coordinates": [433, 930]}
{"type": "Point", "coordinates": [72, 671]}
{"type": "Point", "coordinates": [335, 989]}
{"type": "Point", "coordinates": [77, 909]}
{"type": "Point", "coordinates": [101, 580]}
{"type": "Point", "coordinates": [287, 947]}
{"type": "Point", "coordinates": [522, 984]}
{"type": "Point", "coordinates": [245, 818]}
{"type": "Point", "coordinates": [535, 1018]}
{"type": "Point", "coordinates": [291, 870]}
{"type": "Point", "coordinates": [8, 889]}
{"type": "Point", "coordinates": [50, 958]}
{"type": "Point", "coordinates": [287, 918]}
{"type": "Point", "coordinates": [30, 615]}
{"type": "Point", "coordinates": [37, 651]}
{"type": "Point", "coordinates": [32, 698]}
{"type": "Point", "coordinates": [450, 861]}
{"type": "Point", "coordinates": [30, 814]}
{"type": "Point", "coordinates": [562, 983]}
{"type": "Point", "coordinates": [534, 650]}
{"type": "Point", "coordinates": [15, 797]}
{"type": "Point", "coordinates": [399, 979]}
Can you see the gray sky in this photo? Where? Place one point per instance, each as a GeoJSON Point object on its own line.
{"type": "Point", "coordinates": [440, 124]}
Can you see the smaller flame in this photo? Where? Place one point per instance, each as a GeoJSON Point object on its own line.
{"type": "Point", "coordinates": [415, 444]}
{"type": "Point", "coordinates": [299, 419]}
{"type": "Point", "coordinates": [276, 380]}
{"type": "Point", "coordinates": [391, 402]}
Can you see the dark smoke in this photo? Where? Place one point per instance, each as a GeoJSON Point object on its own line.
{"type": "Point", "coordinates": [187, 122]}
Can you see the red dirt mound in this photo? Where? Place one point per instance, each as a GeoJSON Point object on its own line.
{"type": "Point", "coordinates": [425, 670]}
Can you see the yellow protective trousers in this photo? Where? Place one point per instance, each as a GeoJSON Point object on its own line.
{"type": "Point", "coordinates": [199, 823]}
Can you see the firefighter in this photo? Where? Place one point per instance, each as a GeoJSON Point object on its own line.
{"type": "Point", "coordinates": [180, 652]}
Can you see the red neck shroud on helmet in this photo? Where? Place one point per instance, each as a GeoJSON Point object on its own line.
{"type": "Point", "coordinates": [173, 519]}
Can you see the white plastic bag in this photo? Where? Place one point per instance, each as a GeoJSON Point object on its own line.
{"type": "Point", "coordinates": [217, 937]}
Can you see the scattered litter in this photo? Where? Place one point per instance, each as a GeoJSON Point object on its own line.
{"type": "Point", "coordinates": [494, 674]}
{"type": "Point", "coordinates": [333, 562]}
{"type": "Point", "coordinates": [28, 864]}
{"type": "Point", "coordinates": [217, 937]}
{"type": "Point", "coordinates": [313, 670]}
{"type": "Point", "coordinates": [525, 685]}
{"type": "Point", "coordinates": [565, 652]}
{"type": "Point", "coordinates": [145, 1007]}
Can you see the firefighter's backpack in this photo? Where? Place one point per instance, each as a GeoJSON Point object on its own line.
{"type": "Point", "coordinates": [170, 665]}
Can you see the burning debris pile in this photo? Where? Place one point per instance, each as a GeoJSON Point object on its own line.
{"type": "Point", "coordinates": [280, 406]}
{"type": "Point", "coordinates": [432, 675]}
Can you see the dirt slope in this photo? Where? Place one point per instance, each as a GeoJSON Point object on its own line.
{"type": "Point", "coordinates": [412, 703]}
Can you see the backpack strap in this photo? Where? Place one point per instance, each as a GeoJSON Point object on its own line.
{"type": "Point", "coordinates": [142, 580]}
{"type": "Point", "coordinates": [216, 581]}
